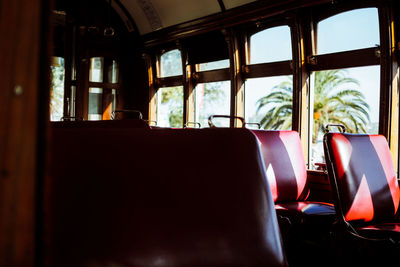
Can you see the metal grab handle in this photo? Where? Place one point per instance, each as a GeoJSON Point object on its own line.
{"type": "Point", "coordinates": [113, 114]}
{"type": "Point", "coordinates": [150, 122]}
{"type": "Point", "coordinates": [194, 123]}
{"type": "Point", "coordinates": [253, 123]}
{"type": "Point", "coordinates": [212, 125]}
{"type": "Point", "coordinates": [71, 118]}
{"type": "Point", "coordinates": [340, 126]}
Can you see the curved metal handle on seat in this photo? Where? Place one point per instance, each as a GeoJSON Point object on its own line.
{"type": "Point", "coordinates": [340, 126]}
{"type": "Point", "coordinates": [212, 125]}
{"type": "Point", "coordinates": [150, 122]}
{"type": "Point", "coordinates": [113, 114]}
{"type": "Point", "coordinates": [194, 123]}
{"type": "Point", "coordinates": [253, 123]}
{"type": "Point", "coordinates": [71, 118]}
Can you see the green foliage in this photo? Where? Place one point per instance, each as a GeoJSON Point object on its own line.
{"type": "Point", "coordinates": [57, 91]}
{"type": "Point", "coordinates": [335, 101]}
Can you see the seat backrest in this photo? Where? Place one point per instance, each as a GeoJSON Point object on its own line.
{"type": "Point", "coordinates": [362, 177]}
{"type": "Point", "coordinates": [103, 124]}
{"type": "Point", "coordinates": [285, 165]}
{"type": "Point", "coordinates": [133, 197]}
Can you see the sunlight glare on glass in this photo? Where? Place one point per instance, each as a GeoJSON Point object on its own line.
{"type": "Point", "coordinates": [271, 45]}
{"type": "Point", "coordinates": [257, 90]}
{"type": "Point", "coordinates": [214, 65]}
{"type": "Point", "coordinates": [355, 29]}
{"type": "Point", "coordinates": [171, 63]}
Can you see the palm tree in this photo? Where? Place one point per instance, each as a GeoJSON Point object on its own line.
{"type": "Point", "coordinates": [334, 102]}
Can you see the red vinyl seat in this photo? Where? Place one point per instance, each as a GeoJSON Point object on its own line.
{"type": "Point", "coordinates": [301, 221]}
{"type": "Point", "coordinates": [287, 177]}
{"type": "Point", "coordinates": [365, 187]}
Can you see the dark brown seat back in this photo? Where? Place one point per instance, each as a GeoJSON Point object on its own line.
{"type": "Point", "coordinates": [134, 197]}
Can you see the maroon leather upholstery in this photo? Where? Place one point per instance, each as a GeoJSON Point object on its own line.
{"type": "Point", "coordinates": [286, 170]}
{"type": "Point", "coordinates": [133, 197]}
{"type": "Point", "coordinates": [305, 225]}
{"type": "Point", "coordinates": [363, 177]}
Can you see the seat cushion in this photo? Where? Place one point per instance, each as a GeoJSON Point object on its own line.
{"type": "Point", "coordinates": [309, 213]}
{"type": "Point", "coordinates": [383, 230]}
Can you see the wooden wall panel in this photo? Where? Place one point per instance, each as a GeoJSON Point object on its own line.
{"type": "Point", "coordinates": [20, 31]}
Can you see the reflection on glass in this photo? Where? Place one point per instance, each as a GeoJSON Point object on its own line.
{"type": "Point", "coordinates": [170, 107]}
{"type": "Point", "coordinates": [214, 65]}
{"type": "Point", "coordinates": [271, 45]}
{"type": "Point", "coordinates": [213, 99]}
{"type": "Point", "coordinates": [57, 89]}
{"type": "Point", "coordinates": [171, 64]}
{"type": "Point", "coordinates": [346, 96]}
{"type": "Point", "coordinates": [269, 101]}
{"type": "Point", "coordinates": [349, 30]}
{"type": "Point", "coordinates": [112, 72]}
{"type": "Point", "coordinates": [96, 69]}
{"type": "Point", "coordinates": [109, 103]}
{"type": "Point", "coordinates": [95, 104]}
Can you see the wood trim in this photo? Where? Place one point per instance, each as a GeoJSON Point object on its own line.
{"type": "Point", "coordinates": [213, 76]}
{"type": "Point", "coordinates": [20, 51]}
{"type": "Point", "coordinates": [348, 59]}
{"type": "Point", "coordinates": [104, 85]}
{"type": "Point", "coordinates": [170, 81]}
{"type": "Point", "coordinates": [151, 87]}
{"type": "Point", "coordinates": [269, 69]}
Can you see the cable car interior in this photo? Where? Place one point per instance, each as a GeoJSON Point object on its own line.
{"type": "Point", "coordinates": [199, 133]}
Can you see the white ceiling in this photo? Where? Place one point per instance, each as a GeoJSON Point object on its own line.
{"type": "Point", "coordinates": [151, 15]}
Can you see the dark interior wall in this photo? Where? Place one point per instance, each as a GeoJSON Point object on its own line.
{"type": "Point", "coordinates": [83, 32]}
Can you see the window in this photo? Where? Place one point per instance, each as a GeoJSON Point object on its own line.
{"type": "Point", "coordinates": [214, 65]}
{"type": "Point", "coordinates": [212, 99]}
{"type": "Point", "coordinates": [171, 64]}
{"type": "Point", "coordinates": [349, 30]}
{"type": "Point", "coordinates": [271, 45]}
{"type": "Point", "coordinates": [103, 88]}
{"type": "Point", "coordinates": [345, 95]}
{"type": "Point", "coordinates": [170, 107]}
{"type": "Point", "coordinates": [57, 89]}
{"type": "Point", "coordinates": [269, 85]}
{"type": "Point", "coordinates": [269, 102]}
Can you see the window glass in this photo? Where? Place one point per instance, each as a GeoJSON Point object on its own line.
{"type": "Point", "coordinates": [349, 30]}
{"type": "Point", "coordinates": [57, 89]}
{"type": "Point", "coordinates": [214, 65]}
{"type": "Point", "coordinates": [112, 72]}
{"type": "Point", "coordinates": [96, 69]}
{"type": "Point", "coordinates": [213, 99]}
{"type": "Point", "coordinates": [95, 104]}
{"type": "Point", "coordinates": [269, 101]}
{"type": "Point", "coordinates": [170, 107]}
{"type": "Point", "coordinates": [346, 96]}
{"type": "Point", "coordinates": [171, 64]}
{"type": "Point", "coordinates": [271, 45]}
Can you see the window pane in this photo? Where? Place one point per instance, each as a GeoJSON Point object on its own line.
{"type": "Point", "coordinates": [57, 89]}
{"type": "Point", "coordinates": [112, 72]}
{"type": "Point", "coordinates": [171, 63]}
{"type": "Point", "coordinates": [213, 99]}
{"type": "Point", "coordinates": [271, 45]}
{"type": "Point", "coordinates": [269, 101]}
{"type": "Point", "coordinates": [349, 30]}
{"type": "Point", "coordinates": [170, 107]}
{"type": "Point", "coordinates": [95, 104]}
{"type": "Point", "coordinates": [96, 69]}
{"type": "Point", "coordinates": [215, 65]}
{"type": "Point", "coordinates": [347, 96]}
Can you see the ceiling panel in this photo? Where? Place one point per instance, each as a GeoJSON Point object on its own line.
{"type": "Point", "coordinates": [151, 15]}
{"type": "Point", "coordinates": [235, 3]}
